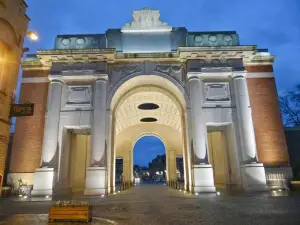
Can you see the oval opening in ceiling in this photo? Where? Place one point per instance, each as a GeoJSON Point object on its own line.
{"type": "Point", "coordinates": [148, 106]}
{"type": "Point", "coordinates": [148, 120]}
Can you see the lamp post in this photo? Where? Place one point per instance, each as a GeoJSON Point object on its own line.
{"type": "Point", "coordinates": [33, 36]}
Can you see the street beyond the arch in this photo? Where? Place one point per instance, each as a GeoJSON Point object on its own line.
{"type": "Point", "coordinates": [161, 205]}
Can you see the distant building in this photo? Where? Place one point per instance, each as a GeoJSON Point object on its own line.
{"type": "Point", "coordinates": [180, 167]}
{"type": "Point", "coordinates": [119, 169]}
{"type": "Point", "coordinates": [158, 164]}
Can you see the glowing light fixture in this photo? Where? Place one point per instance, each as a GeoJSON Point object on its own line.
{"type": "Point", "coordinates": [196, 194]}
{"type": "Point", "coordinates": [47, 196]}
{"type": "Point", "coordinates": [218, 193]}
{"type": "Point", "coordinates": [32, 35]}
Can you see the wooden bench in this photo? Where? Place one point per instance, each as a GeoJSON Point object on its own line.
{"type": "Point", "coordinates": [70, 214]}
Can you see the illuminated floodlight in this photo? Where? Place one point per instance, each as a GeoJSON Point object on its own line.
{"type": "Point", "coordinates": [47, 196]}
{"type": "Point", "coordinates": [25, 197]}
{"type": "Point", "coordinates": [102, 196]}
{"type": "Point", "coordinates": [218, 193]}
{"type": "Point", "coordinates": [196, 194]}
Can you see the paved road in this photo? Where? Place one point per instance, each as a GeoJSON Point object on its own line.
{"type": "Point", "coordinates": [160, 205]}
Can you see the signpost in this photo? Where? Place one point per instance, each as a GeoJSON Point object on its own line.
{"type": "Point", "coordinates": [18, 110]}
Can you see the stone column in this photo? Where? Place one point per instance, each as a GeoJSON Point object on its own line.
{"type": "Point", "coordinates": [44, 176]}
{"type": "Point", "coordinates": [172, 164]}
{"type": "Point", "coordinates": [127, 167]}
{"type": "Point", "coordinates": [172, 169]}
{"type": "Point", "coordinates": [203, 180]}
{"type": "Point", "coordinates": [253, 173]}
{"type": "Point", "coordinates": [198, 125]}
{"type": "Point", "coordinates": [245, 122]}
{"type": "Point", "coordinates": [98, 126]}
{"type": "Point", "coordinates": [96, 173]}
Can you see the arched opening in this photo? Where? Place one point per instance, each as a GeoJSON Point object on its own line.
{"type": "Point", "coordinates": [148, 105]}
{"type": "Point", "coordinates": [149, 160]}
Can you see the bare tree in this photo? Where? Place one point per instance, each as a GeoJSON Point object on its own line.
{"type": "Point", "coordinates": [290, 107]}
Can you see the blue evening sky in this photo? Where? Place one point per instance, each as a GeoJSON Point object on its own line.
{"type": "Point", "coordinates": [272, 24]}
{"type": "Point", "coordinates": [146, 149]}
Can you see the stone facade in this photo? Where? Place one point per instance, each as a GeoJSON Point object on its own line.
{"type": "Point", "coordinates": [207, 91]}
{"type": "Point", "coordinates": [13, 26]}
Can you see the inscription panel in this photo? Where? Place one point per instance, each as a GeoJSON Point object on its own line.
{"type": "Point", "coordinates": [78, 97]}
{"type": "Point", "coordinates": [216, 92]}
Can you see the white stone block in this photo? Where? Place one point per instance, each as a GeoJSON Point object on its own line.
{"type": "Point", "coordinates": [95, 181]}
{"type": "Point", "coordinates": [203, 179]}
{"type": "Point", "coordinates": [254, 177]}
{"type": "Point", "coordinates": [43, 182]}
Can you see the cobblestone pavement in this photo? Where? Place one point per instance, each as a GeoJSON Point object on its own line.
{"type": "Point", "coordinates": [160, 205]}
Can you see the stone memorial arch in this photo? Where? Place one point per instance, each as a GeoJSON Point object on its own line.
{"type": "Point", "coordinates": [210, 100]}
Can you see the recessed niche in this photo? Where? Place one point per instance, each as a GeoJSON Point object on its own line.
{"type": "Point", "coordinates": [148, 120]}
{"type": "Point", "coordinates": [148, 106]}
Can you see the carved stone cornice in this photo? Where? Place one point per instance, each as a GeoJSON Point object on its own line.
{"type": "Point", "coordinates": [259, 60]}
{"type": "Point", "coordinates": [219, 52]}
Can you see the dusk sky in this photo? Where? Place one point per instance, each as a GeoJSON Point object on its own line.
{"type": "Point", "coordinates": [272, 24]}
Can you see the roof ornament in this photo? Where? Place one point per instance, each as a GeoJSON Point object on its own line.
{"type": "Point", "coordinates": [146, 20]}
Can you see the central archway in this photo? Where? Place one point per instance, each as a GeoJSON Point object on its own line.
{"type": "Point", "coordinates": [149, 160]}
{"type": "Point", "coordinates": [146, 105]}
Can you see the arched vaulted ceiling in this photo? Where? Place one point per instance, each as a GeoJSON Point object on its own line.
{"type": "Point", "coordinates": [147, 89]}
{"type": "Point", "coordinates": [129, 114]}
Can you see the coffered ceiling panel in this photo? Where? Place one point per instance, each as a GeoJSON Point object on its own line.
{"type": "Point", "coordinates": [128, 114]}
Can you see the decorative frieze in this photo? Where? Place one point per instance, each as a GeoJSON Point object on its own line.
{"type": "Point", "coordinates": [214, 65]}
{"type": "Point", "coordinates": [120, 71]}
{"type": "Point", "coordinates": [78, 68]}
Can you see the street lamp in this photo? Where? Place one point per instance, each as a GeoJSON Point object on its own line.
{"type": "Point", "coordinates": [32, 35]}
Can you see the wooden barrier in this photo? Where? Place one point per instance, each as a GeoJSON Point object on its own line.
{"type": "Point", "coordinates": [70, 212]}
